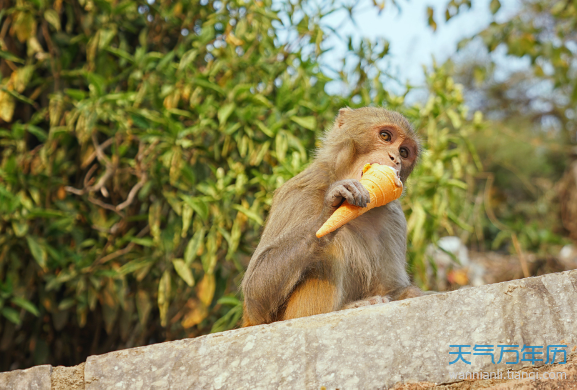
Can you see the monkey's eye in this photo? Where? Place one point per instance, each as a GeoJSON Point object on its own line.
{"type": "Point", "coordinates": [404, 152]}
{"type": "Point", "coordinates": [386, 136]}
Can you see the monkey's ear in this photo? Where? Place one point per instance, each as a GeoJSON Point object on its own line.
{"type": "Point", "coordinates": [343, 112]}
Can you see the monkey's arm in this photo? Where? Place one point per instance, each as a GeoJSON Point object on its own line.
{"type": "Point", "coordinates": [275, 269]}
{"type": "Point", "coordinates": [289, 247]}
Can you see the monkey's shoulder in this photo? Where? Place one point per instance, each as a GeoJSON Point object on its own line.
{"type": "Point", "coordinates": [310, 182]}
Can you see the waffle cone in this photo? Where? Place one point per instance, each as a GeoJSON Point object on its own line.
{"type": "Point", "coordinates": [380, 181]}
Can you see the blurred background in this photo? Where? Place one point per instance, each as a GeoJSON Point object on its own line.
{"type": "Point", "coordinates": [141, 143]}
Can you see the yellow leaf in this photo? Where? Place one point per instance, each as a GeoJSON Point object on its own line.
{"type": "Point", "coordinates": [231, 39]}
{"type": "Point", "coordinates": [205, 289]}
{"type": "Point", "coordinates": [198, 312]}
{"type": "Point", "coordinates": [21, 77]}
{"type": "Point", "coordinates": [183, 271]}
{"type": "Point", "coordinates": [33, 47]}
{"type": "Point", "coordinates": [154, 215]}
{"type": "Point", "coordinates": [7, 105]}
{"type": "Point", "coordinates": [164, 296]}
{"type": "Point", "coordinates": [24, 26]}
{"type": "Point", "coordinates": [459, 277]}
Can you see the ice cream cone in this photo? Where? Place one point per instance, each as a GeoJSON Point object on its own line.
{"type": "Point", "coordinates": [381, 182]}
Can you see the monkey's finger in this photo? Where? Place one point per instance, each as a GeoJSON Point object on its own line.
{"type": "Point", "coordinates": [335, 197]}
{"type": "Point", "coordinates": [355, 192]}
{"type": "Point", "coordinates": [365, 195]}
{"type": "Point", "coordinates": [344, 192]}
{"type": "Point", "coordinates": [360, 193]}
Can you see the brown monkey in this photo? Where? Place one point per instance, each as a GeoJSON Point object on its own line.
{"type": "Point", "coordinates": [293, 273]}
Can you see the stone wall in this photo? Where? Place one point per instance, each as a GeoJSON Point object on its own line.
{"type": "Point", "coordinates": [402, 345]}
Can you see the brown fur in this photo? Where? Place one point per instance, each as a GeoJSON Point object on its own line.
{"type": "Point", "coordinates": [293, 273]}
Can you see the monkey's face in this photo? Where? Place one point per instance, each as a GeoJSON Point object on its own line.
{"type": "Point", "coordinates": [390, 145]}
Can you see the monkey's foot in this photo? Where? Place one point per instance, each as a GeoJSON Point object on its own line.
{"type": "Point", "coordinates": [367, 302]}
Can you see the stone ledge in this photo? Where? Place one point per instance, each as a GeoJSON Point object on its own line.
{"type": "Point", "coordinates": [32, 378]}
{"type": "Point", "coordinates": [403, 344]}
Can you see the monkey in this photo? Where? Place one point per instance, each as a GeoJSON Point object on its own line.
{"type": "Point", "coordinates": [292, 273]}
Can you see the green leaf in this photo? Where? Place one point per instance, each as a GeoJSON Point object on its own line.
{"type": "Point", "coordinates": [38, 132]}
{"type": "Point", "coordinates": [224, 112]}
{"type": "Point", "coordinates": [11, 314]}
{"type": "Point", "coordinates": [20, 227]}
{"type": "Point", "coordinates": [38, 252]}
{"type": "Point", "coordinates": [457, 183]}
{"type": "Point", "coordinates": [75, 94]}
{"type": "Point", "coordinates": [97, 83]}
{"type": "Point", "coordinates": [229, 320]}
{"type": "Point", "coordinates": [232, 301]}
{"type": "Point", "coordinates": [187, 213]}
{"type": "Point", "coordinates": [198, 205]}
{"type": "Point", "coordinates": [192, 247]}
{"type": "Point", "coordinates": [265, 129]}
{"type": "Point", "coordinates": [281, 145]}
{"type": "Point", "coordinates": [45, 213]}
{"type": "Point", "coordinates": [142, 241]}
{"type": "Point", "coordinates": [120, 53]}
{"type": "Point", "coordinates": [183, 271]}
{"type": "Point", "coordinates": [431, 18]}
{"type": "Point", "coordinates": [17, 95]}
{"type": "Point", "coordinates": [26, 305]}
{"type": "Point", "coordinates": [251, 214]}
{"type": "Point", "coordinates": [495, 6]}
{"type": "Point", "coordinates": [455, 119]}
{"type": "Point", "coordinates": [258, 98]}
{"type": "Point", "coordinates": [459, 222]}
{"type": "Point", "coordinates": [308, 122]}
{"type": "Point", "coordinates": [187, 58]}
{"type": "Point", "coordinates": [166, 59]}
{"type": "Point", "coordinates": [52, 17]}
{"type": "Point", "coordinates": [133, 266]}
{"type": "Point", "coordinates": [66, 304]}
{"type": "Point", "coordinates": [11, 57]}
{"type": "Point", "coordinates": [208, 84]}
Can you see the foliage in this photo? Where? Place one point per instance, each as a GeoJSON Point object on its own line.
{"type": "Point", "coordinates": [523, 194]}
{"type": "Point", "coordinates": [441, 192]}
{"type": "Point", "coordinates": [542, 32]}
{"type": "Point", "coordinates": [141, 146]}
{"type": "Point", "coordinates": [532, 106]}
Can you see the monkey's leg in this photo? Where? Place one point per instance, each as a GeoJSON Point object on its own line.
{"type": "Point", "coordinates": [245, 320]}
{"type": "Point", "coordinates": [384, 296]}
{"type": "Point", "coordinates": [367, 302]}
{"type": "Point", "coordinates": [405, 293]}
{"type": "Point", "coordinates": [310, 297]}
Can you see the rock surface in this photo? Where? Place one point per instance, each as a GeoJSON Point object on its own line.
{"type": "Point", "coordinates": [37, 378]}
{"type": "Point", "coordinates": [402, 344]}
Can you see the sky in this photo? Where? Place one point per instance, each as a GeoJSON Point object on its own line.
{"type": "Point", "coordinates": [413, 43]}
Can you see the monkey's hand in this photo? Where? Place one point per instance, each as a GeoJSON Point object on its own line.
{"type": "Point", "coordinates": [350, 190]}
{"type": "Point", "coordinates": [367, 302]}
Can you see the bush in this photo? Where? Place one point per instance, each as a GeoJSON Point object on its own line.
{"type": "Point", "coordinates": [141, 145]}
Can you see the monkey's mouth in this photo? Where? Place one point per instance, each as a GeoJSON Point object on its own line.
{"type": "Point", "coordinates": [398, 172]}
